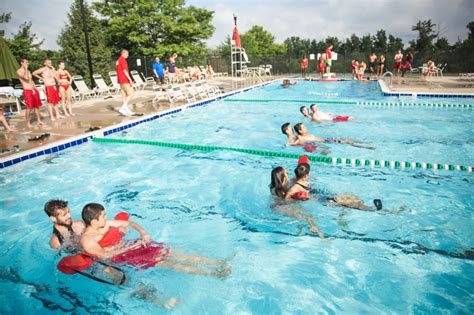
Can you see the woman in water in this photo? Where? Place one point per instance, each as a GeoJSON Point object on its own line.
{"type": "Point", "coordinates": [65, 80]}
{"type": "Point", "coordinates": [279, 188]}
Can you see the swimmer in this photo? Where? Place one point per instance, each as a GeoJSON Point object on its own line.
{"type": "Point", "coordinates": [305, 112]}
{"type": "Point", "coordinates": [287, 130]}
{"type": "Point", "coordinates": [286, 83]}
{"type": "Point", "coordinates": [66, 232]}
{"type": "Point", "coordinates": [279, 188]}
{"type": "Point", "coordinates": [102, 239]}
{"type": "Point", "coordinates": [303, 137]}
{"type": "Point", "coordinates": [317, 115]}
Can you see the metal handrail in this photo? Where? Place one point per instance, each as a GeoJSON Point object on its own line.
{"type": "Point", "coordinates": [391, 77]}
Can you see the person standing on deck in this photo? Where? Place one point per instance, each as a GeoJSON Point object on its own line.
{"type": "Point", "coordinates": [123, 78]}
{"type": "Point", "coordinates": [328, 59]}
{"type": "Point", "coordinates": [48, 75]}
{"type": "Point", "coordinates": [304, 66]}
{"type": "Point", "coordinates": [30, 93]}
{"type": "Point", "coordinates": [398, 62]}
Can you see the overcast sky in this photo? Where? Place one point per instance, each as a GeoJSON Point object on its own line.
{"type": "Point", "coordinates": [283, 18]}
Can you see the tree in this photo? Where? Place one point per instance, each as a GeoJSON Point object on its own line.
{"type": "Point", "coordinates": [380, 41]}
{"type": "Point", "coordinates": [25, 44]}
{"type": "Point", "coordinates": [394, 43]}
{"type": "Point", "coordinates": [156, 27]}
{"type": "Point", "coordinates": [73, 47]}
{"type": "Point", "coordinates": [259, 42]}
{"type": "Point", "coordinates": [426, 34]}
{"type": "Point", "coordinates": [366, 44]}
{"type": "Point", "coordinates": [470, 27]}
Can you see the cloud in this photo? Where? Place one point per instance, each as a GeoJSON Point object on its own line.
{"type": "Point", "coordinates": [319, 19]}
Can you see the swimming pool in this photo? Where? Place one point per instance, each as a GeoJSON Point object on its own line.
{"type": "Point", "coordinates": [217, 204]}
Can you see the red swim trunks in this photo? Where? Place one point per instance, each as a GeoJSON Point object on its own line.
{"type": "Point", "coordinates": [398, 65]}
{"type": "Point", "coordinates": [340, 118]}
{"type": "Point", "coordinates": [32, 98]}
{"type": "Point", "coordinates": [145, 256]}
{"type": "Point", "coordinates": [407, 65]}
{"type": "Point", "coordinates": [52, 94]}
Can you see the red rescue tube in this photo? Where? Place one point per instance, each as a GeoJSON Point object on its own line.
{"type": "Point", "coordinates": [300, 195]}
{"type": "Point", "coordinates": [340, 118]}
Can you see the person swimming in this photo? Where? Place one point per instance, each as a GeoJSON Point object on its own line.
{"type": "Point", "coordinates": [318, 115]}
{"type": "Point", "coordinates": [303, 137]}
{"type": "Point", "coordinates": [279, 189]}
{"type": "Point", "coordinates": [287, 130]}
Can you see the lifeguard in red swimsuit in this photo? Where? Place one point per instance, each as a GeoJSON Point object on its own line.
{"type": "Point", "coordinates": [30, 93]}
{"type": "Point", "coordinates": [102, 239]}
{"type": "Point", "coordinates": [48, 75]}
{"type": "Point", "coordinates": [65, 79]}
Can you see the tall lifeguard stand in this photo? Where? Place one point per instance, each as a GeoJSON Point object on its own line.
{"type": "Point", "coordinates": [238, 56]}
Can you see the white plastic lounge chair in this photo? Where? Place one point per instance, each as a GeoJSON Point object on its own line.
{"type": "Point", "coordinates": [114, 79]}
{"type": "Point", "coordinates": [82, 88]}
{"type": "Point", "coordinates": [160, 94]}
{"type": "Point", "coordinates": [139, 82]}
{"type": "Point", "coordinates": [440, 68]}
{"type": "Point", "coordinates": [101, 87]}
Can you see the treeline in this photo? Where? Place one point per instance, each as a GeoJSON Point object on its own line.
{"type": "Point", "coordinates": [150, 28]}
{"type": "Point", "coordinates": [146, 27]}
{"type": "Point", "coordinates": [261, 46]}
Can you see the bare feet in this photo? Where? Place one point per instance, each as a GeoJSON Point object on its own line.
{"type": "Point", "coordinates": [28, 125]}
{"type": "Point", "coordinates": [53, 119]}
{"type": "Point", "coordinates": [222, 271]}
{"type": "Point", "coordinates": [40, 123]}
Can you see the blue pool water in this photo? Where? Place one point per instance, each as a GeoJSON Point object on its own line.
{"type": "Point", "coordinates": [217, 204]}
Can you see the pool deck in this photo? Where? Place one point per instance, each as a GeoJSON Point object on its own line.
{"type": "Point", "coordinates": [95, 112]}
{"type": "Point", "coordinates": [100, 112]}
{"type": "Point", "coordinates": [441, 85]}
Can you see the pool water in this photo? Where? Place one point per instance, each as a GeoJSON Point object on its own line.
{"type": "Point", "coordinates": [217, 204]}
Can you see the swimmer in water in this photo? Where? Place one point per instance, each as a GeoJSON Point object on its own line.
{"type": "Point", "coordinates": [287, 130]}
{"type": "Point", "coordinates": [102, 239]}
{"type": "Point", "coordinates": [303, 137]}
{"type": "Point", "coordinates": [318, 115]}
{"type": "Point", "coordinates": [66, 232]}
{"type": "Point", "coordinates": [279, 188]}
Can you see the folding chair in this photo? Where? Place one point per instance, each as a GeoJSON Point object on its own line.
{"type": "Point", "coordinates": [82, 88]}
{"type": "Point", "coordinates": [101, 87]}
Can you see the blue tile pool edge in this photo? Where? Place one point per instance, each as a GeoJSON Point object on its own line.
{"type": "Point", "coordinates": [386, 91]}
{"type": "Point", "coordinates": [77, 140]}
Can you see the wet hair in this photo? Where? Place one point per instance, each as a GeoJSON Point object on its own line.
{"type": "Point", "coordinates": [284, 127]}
{"type": "Point", "coordinates": [311, 106]}
{"type": "Point", "coordinates": [91, 211]}
{"type": "Point", "coordinates": [277, 182]}
{"type": "Point", "coordinates": [52, 206]}
{"type": "Point", "coordinates": [301, 109]}
{"type": "Point", "coordinates": [297, 128]}
{"type": "Point", "coordinates": [302, 170]}
{"type": "Point", "coordinates": [23, 60]}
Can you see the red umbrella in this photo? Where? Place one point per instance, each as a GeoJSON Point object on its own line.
{"type": "Point", "coordinates": [236, 37]}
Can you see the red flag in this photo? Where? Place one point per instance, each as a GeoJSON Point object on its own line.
{"type": "Point", "coordinates": [236, 37]}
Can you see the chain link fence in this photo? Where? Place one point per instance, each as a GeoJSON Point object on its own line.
{"type": "Point", "coordinates": [281, 65]}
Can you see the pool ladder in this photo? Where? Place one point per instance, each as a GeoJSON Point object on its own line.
{"type": "Point", "coordinates": [391, 77]}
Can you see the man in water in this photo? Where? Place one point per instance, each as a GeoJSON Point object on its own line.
{"type": "Point", "coordinates": [66, 232]}
{"type": "Point", "coordinates": [102, 239]}
{"type": "Point", "coordinates": [30, 93]}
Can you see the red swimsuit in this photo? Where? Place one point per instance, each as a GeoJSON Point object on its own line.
{"type": "Point", "coordinates": [65, 86]}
